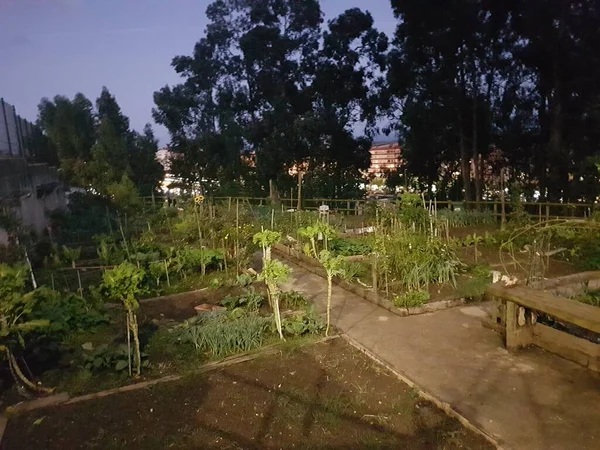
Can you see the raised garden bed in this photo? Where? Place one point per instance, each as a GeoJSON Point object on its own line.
{"type": "Point", "coordinates": [312, 265]}
{"type": "Point", "coordinates": [324, 396]}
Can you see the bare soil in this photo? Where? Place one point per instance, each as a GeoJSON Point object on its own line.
{"type": "Point", "coordinates": [326, 396]}
{"type": "Point", "coordinates": [179, 307]}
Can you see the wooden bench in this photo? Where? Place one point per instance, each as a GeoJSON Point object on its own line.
{"type": "Point", "coordinates": [509, 300]}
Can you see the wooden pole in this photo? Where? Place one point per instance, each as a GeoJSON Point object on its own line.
{"type": "Point", "coordinates": [79, 282]}
{"type": "Point", "coordinates": [167, 273]}
{"type": "Point", "coordinates": [299, 206]}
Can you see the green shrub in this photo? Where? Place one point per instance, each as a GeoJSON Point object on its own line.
{"type": "Point", "coordinates": [244, 280]}
{"type": "Point", "coordinates": [251, 300]}
{"type": "Point", "coordinates": [418, 260]}
{"type": "Point", "coordinates": [66, 312]}
{"type": "Point", "coordinates": [411, 299]}
{"type": "Point", "coordinates": [303, 322]}
{"type": "Point", "coordinates": [412, 211]}
{"type": "Point", "coordinates": [110, 358]}
{"type": "Point", "coordinates": [474, 288]}
{"type": "Point", "coordinates": [349, 247]}
{"type": "Point", "coordinates": [292, 300]}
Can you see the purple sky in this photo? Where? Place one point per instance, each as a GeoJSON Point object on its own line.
{"type": "Point", "coordinates": [50, 47]}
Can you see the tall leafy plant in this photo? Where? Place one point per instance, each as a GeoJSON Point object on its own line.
{"type": "Point", "coordinates": [15, 308]}
{"type": "Point", "coordinates": [334, 266]}
{"type": "Point", "coordinates": [124, 283]}
{"type": "Point", "coordinates": [273, 271]}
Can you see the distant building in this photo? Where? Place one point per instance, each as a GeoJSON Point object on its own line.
{"type": "Point", "coordinates": [165, 156]}
{"type": "Point", "coordinates": [385, 157]}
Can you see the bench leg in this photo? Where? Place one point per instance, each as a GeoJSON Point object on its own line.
{"type": "Point", "coordinates": [517, 336]}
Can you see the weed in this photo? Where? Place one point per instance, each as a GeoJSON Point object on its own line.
{"type": "Point", "coordinates": [411, 299]}
{"type": "Point", "coordinates": [474, 288]}
{"type": "Point", "coordinates": [590, 299]}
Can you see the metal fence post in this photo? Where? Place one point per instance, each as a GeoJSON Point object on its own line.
{"type": "Point", "coordinates": [2, 104]}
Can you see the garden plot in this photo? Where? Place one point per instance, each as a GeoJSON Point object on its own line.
{"type": "Point", "coordinates": [327, 395]}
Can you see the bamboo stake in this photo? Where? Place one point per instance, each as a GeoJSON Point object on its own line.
{"type": "Point", "coordinates": [79, 282]}
{"type": "Point", "coordinates": [128, 343]}
{"type": "Point", "coordinates": [167, 273]}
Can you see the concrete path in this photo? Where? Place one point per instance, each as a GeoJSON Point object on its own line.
{"type": "Point", "coordinates": [530, 400]}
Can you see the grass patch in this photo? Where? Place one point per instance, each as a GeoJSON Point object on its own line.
{"type": "Point", "coordinates": [411, 299]}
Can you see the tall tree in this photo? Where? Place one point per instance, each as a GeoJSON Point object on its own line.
{"type": "Point", "coordinates": [265, 79]}
{"type": "Point", "coordinates": [516, 76]}
{"type": "Point", "coordinates": [444, 64]}
{"type": "Point", "coordinates": [146, 171]}
{"type": "Point", "coordinates": [69, 124]}
{"type": "Point", "coordinates": [95, 147]}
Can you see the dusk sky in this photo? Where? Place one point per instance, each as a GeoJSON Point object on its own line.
{"type": "Point", "coordinates": [50, 47]}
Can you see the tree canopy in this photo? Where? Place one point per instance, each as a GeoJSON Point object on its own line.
{"type": "Point", "coordinates": [95, 147]}
{"type": "Point", "coordinates": [471, 76]}
{"type": "Point", "coordinates": [267, 80]}
{"type": "Point", "coordinates": [270, 89]}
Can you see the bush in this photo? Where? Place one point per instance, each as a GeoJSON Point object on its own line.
{"type": "Point", "coordinates": [221, 335]}
{"type": "Point", "coordinates": [292, 300]}
{"type": "Point", "coordinates": [66, 312]}
{"type": "Point", "coordinates": [349, 247]}
{"type": "Point", "coordinates": [251, 300]}
{"type": "Point", "coordinates": [418, 260]}
{"type": "Point", "coordinates": [303, 322]}
{"type": "Point", "coordinates": [412, 211]}
{"type": "Point", "coordinates": [107, 358]}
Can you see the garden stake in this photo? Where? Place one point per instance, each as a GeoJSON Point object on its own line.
{"type": "Point", "coordinates": [128, 344]}
{"type": "Point", "coordinates": [79, 282]}
{"type": "Point", "coordinates": [167, 273]}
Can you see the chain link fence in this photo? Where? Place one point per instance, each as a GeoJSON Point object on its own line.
{"type": "Point", "coordinates": [15, 132]}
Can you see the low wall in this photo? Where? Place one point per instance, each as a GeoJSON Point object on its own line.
{"type": "Point", "coordinates": [312, 265]}
{"type": "Point", "coordinates": [29, 191]}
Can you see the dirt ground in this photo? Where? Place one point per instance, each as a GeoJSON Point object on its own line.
{"type": "Point", "coordinates": [325, 396]}
{"type": "Point", "coordinates": [179, 307]}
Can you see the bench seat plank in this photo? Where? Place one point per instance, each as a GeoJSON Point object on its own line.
{"type": "Point", "coordinates": [564, 309]}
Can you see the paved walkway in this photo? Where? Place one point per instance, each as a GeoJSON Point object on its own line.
{"type": "Point", "coordinates": [531, 400]}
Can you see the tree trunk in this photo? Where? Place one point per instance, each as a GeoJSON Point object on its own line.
{"type": "Point", "coordinates": [136, 342]}
{"type": "Point", "coordinates": [465, 166]}
{"type": "Point", "coordinates": [503, 201]}
{"type": "Point", "coordinates": [299, 207]}
{"type": "Point", "coordinates": [329, 288]}
{"type": "Point", "coordinates": [476, 167]}
{"type": "Point", "coordinates": [560, 169]}
{"type": "Point", "coordinates": [273, 194]}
